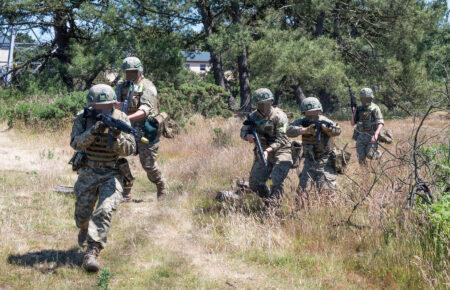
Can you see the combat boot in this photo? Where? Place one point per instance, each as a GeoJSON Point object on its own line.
{"type": "Point", "coordinates": [126, 194]}
{"type": "Point", "coordinates": [160, 189]}
{"type": "Point", "coordinates": [90, 263]}
{"type": "Point", "coordinates": [82, 235]}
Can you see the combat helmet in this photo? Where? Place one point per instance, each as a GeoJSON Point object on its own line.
{"type": "Point", "coordinates": [262, 95]}
{"type": "Point", "coordinates": [132, 63]}
{"type": "Point", "coordinates": [366, 93]}
{"type": "Point", "coordinates": [310, 104]}
{"type": "Point", "coordinates": [101, 94]}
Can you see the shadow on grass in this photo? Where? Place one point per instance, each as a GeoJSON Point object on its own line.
{"type": "Point", "coordinates": [48, 260]}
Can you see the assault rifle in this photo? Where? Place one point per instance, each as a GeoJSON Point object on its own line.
{"type": "Point", "coordinates": [116, 124]}
{"type": "Point", "coordinates": [317, 125]}
{"type": "Point", "coordinates": [353, 104]}
{"type": "Point", "coordinates": [259, 148]}
{"type": "Point", "coordinates": [127, 101]}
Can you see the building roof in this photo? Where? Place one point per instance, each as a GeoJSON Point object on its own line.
{"type": "Point", "coordinates": [201, 56]}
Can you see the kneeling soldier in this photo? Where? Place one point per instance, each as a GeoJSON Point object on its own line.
{"type": "Point", "coordinates": [99, 180]}
{"type": "Point", "coordinates": [269, 124]}
{"type": "Point", "coordinates": [317, 132]}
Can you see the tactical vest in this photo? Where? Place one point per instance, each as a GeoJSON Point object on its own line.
{"type": "Point", "coordinates": [266, 131]}
{"type": "Point", "coordinates": [134, 103]}
{"type": "Point", "coordinates": [312, 148]}
{"type": "Point", "coordinates": [366, 120]}
{"type": "Point", "coordinates": [99, 150]}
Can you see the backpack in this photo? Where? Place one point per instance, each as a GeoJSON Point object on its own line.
{"type": "Point", "coordinates": [340, 158]}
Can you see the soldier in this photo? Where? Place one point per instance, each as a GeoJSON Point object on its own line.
{"type": "Point", "coordinates": [369, 123]}
{"type": "Point", "coordinates": [317, 148]}
{"type": "Point", "coordinates": [98, 178]}
{"type": "Point", "coordinates": [139, 99]}
{"type": "Point", "coordinates": [270, 124]}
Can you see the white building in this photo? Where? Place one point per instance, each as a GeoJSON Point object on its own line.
{"type": "Point", "coordinates": [197, 61]}
{"type": "Point", "coordinates": [4, 52]}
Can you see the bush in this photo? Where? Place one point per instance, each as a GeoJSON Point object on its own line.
{"type": "Point", "coordinates": [437, 235]}
{"type": "Point", "coordinates": [181, 103]}
{"type": "Point", "coordinates": [17, 106]}
{"type": "Point", "coordinates": [204, 98]}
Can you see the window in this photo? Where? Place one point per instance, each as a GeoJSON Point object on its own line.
{"type": "Point", "coordinates": [203, 67]}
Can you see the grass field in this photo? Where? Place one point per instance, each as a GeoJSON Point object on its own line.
{"type": "Point", "coordinates": [189, 240]}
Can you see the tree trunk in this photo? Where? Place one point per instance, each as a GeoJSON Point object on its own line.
{"type": "Point", "coordinates": [244, 81]}
{"type": "Point", "coordinates": [62, 42]}
{"type": "Point", "coordinates": [298, 93]}
{"type": "Point", "coordinates": [320, 21]}
{"type": "Point", "coordinates": [217, 68]}
{"type": "Point", "coordinates": [328, 101]}
{"type": "Point", "coordinates": [242, 62]}
{"type": "Point", "coordinates": [336, 22]}
{"type": "Point", "coordinates": [216, 59]}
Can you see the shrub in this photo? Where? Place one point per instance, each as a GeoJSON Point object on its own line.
{"type": "Point", "coordinates": [181, 102]}
{"type": "Point", "coordinates": [201, 97]}
{"type": "Point", "coordinates": [437, 234]}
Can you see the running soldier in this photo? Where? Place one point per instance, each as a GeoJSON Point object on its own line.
{"type": "Point", "coordinates": [99, 180]}
{"type": "Point", "coordinates": [139, 100]}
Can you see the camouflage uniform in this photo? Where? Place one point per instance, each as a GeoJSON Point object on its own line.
{"type": "Point", "coordinates": [272, 132]}
{"type": "Point", "coordinates": [317, 167]}
{"type": "Point", "coordinates": [367, 119]}
{"type": "Point", "coordinates": [143, 97]}
{"type": "Point", "coordinates": [98, 180]}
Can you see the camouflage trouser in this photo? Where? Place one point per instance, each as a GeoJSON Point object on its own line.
{"type": "Point", "coordinates": [363, 146]}
{"type": "Point", "coordinates": [147, 155]}
{"type": "Point", "coordinates": [318, 172]}
{"type": "Point", "coordinates": [101, 186]}
{"type": "Point", "coordinates": [277, 170]}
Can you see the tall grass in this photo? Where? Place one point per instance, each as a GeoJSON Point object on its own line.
{"type": "Point", "coordinates": [190, 240]}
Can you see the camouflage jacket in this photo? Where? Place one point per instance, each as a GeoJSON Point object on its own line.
{"type": "Point", "coordinates": [144, 97]}
{"type": "Point", "coordinates": [368, 117]}
{"type": "Point", "coordinates": [271, 129]}
{"type": "Point", "coordinates": [96, 145]}
{"type": "Point", "coordinates": [311, 144]}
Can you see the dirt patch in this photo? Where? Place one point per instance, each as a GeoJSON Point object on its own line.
{"type": "Point", "coordinates": [23, 153]}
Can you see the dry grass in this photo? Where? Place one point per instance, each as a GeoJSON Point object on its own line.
{"type": "Point", "coordinates": [190, 240]}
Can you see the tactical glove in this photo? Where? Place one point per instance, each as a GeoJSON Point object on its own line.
{"type": "Point", "coordinates": [331, 131]}
{"type": "Point", "coordinates": [310, 130]}
{"type": "Point", "coordinates": [99, 127]}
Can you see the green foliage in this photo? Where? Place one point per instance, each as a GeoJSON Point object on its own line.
{"type": "Point", "coordinates": [436, 239]}
{"type": "Point", "coordinates": [103, 279]}
{"type": "Point", "coordinates": [18, 106]}
{"type": "Point", "coordinates": [189, 98]}
{"type": "Point", "coordinates": [438, 158]}
{"type": "Point", "coordinates": [180, 103]}
{"type": "Point", "coordinates": [312, 63]}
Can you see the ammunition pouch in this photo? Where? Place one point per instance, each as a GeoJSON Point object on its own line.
{"type": "Point", "coordinates": [151, 130]}
{"type": "Point", "coordinates": [78, 160]}
{"type": "Point", "coordinates": [297, 152]}
{"type": "Point", "coordinates": [373, 152]}
{"type": "Point", "coordinates": [340, 159]}
{"type": "Point", "coordinates": [155, 126]}
{"type": "Point", "coordinates": [385, 136]}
